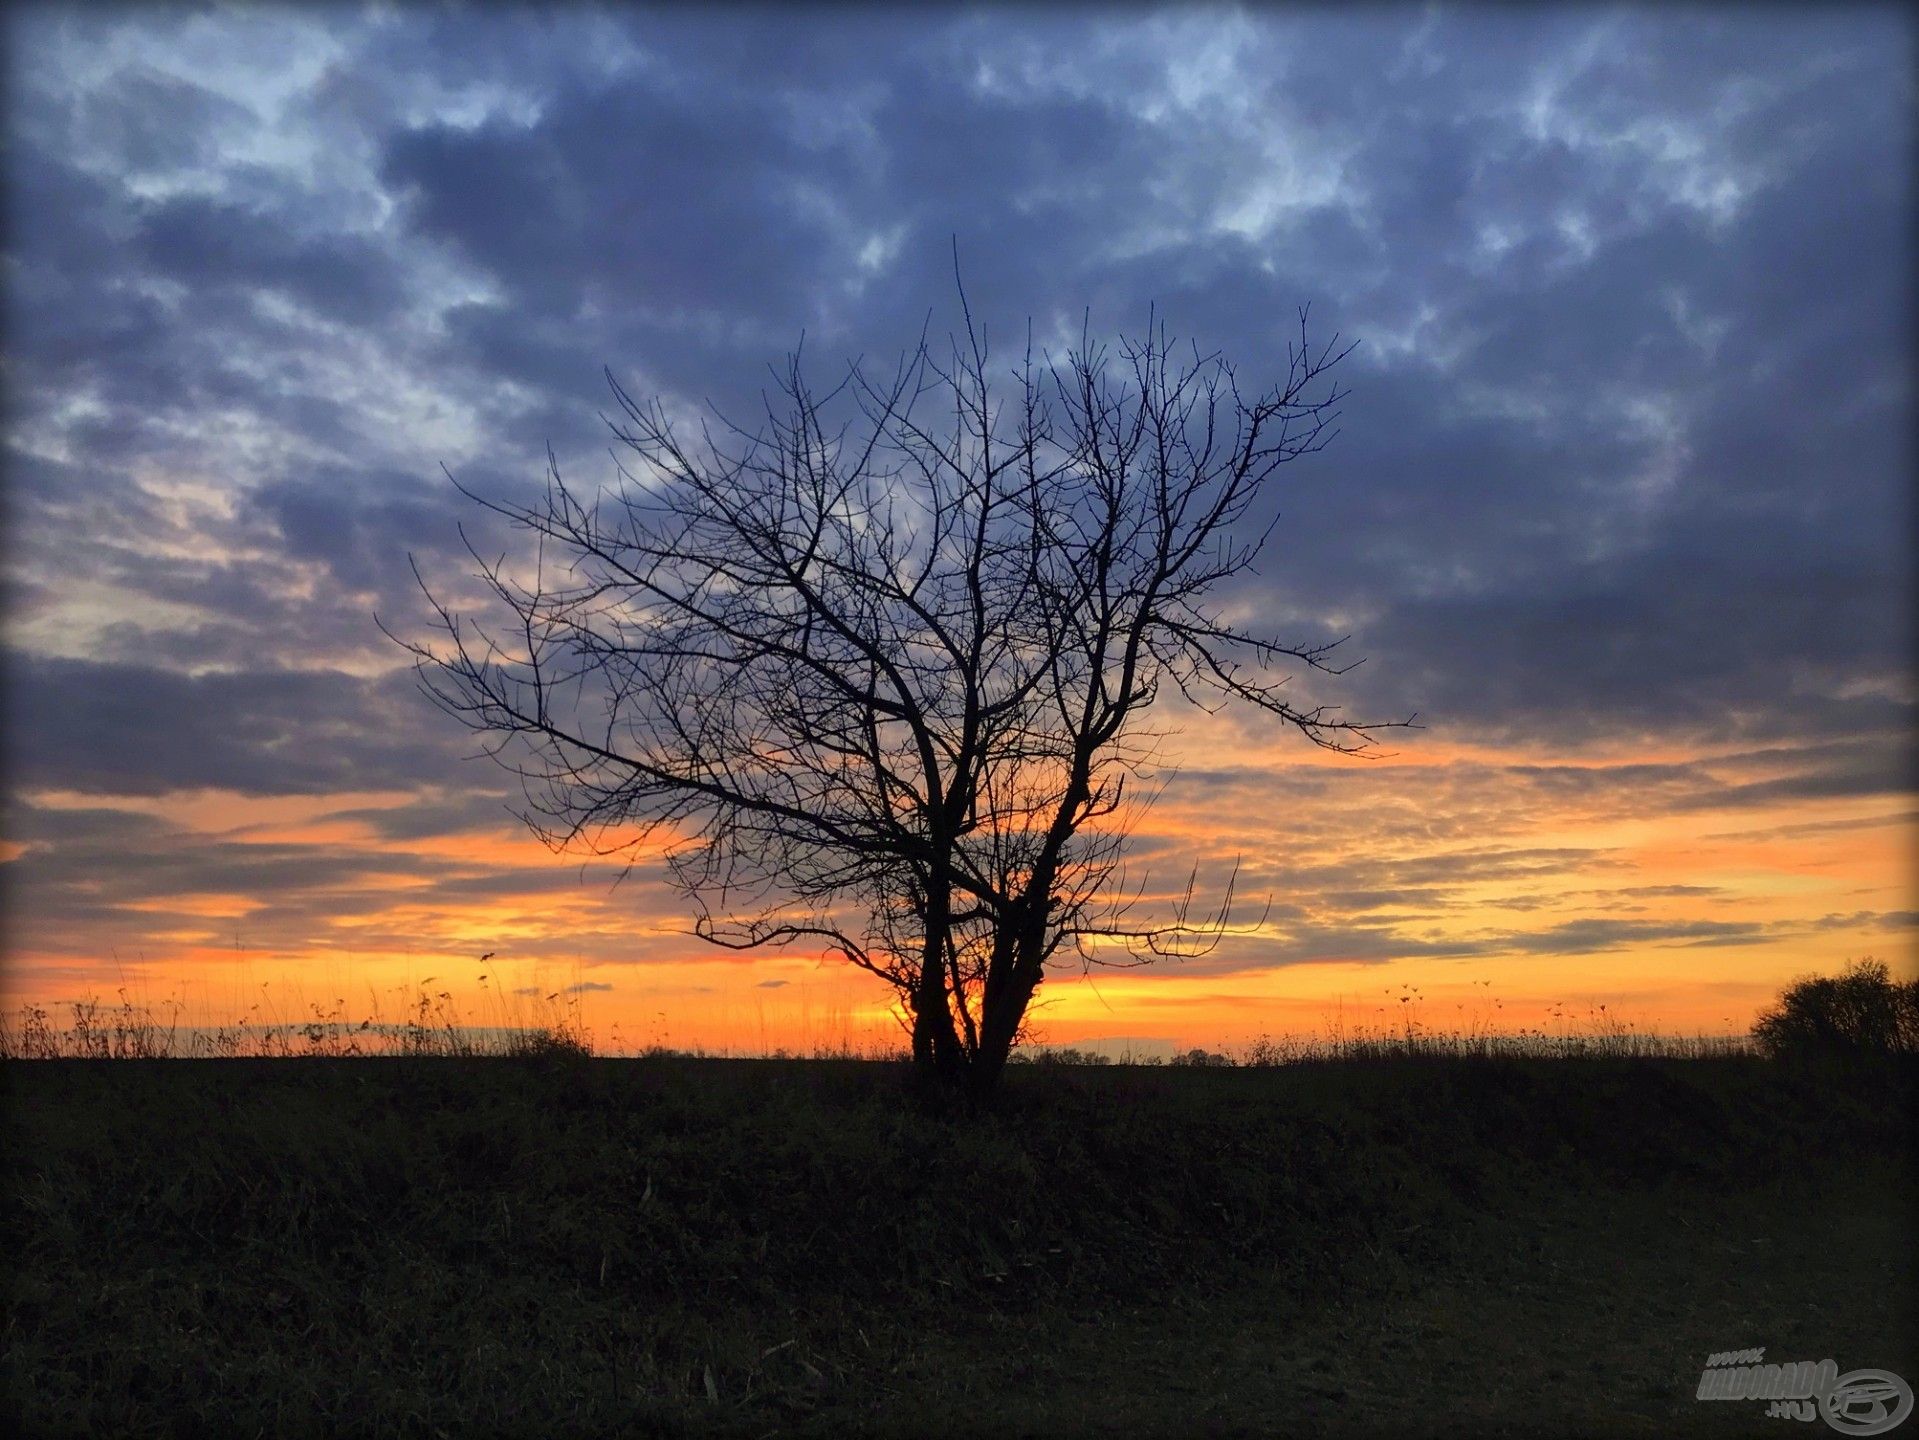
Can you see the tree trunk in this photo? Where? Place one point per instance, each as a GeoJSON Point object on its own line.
{"type": "Point", "coordinates": [936, 1047]}
{"type": "Point", "coordinates": [996, 1043]}
{"type": "Point", "coordinates": [1005, 1003]}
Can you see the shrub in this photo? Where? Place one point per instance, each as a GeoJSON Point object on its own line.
{"type": "Point", "coordinates": [1862, 1010]}
{"type": "Point", "coordinates": [1197, 1056]}
{"type": "Point", "coordinates": [1070, 1055]}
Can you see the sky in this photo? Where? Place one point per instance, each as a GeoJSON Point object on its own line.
{"type": "Point", "coordinates": [1621, 502]}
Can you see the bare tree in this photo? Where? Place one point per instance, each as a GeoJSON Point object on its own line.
{"type": "Point", "coordinates": [877, 687]}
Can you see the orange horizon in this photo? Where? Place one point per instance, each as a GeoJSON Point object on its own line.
{"type": "Point", "coordinates": [1441, 872]}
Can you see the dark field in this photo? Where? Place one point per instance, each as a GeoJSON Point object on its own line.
{"type": "Point", "coordinates": [674, 1246]}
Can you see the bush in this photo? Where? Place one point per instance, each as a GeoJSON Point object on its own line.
{"type": "Point", "coordinates": [1203, 1058]}
{"type": "Point", "coordinates": [1068, 1056]}
{"type": "Point", "coordinates": [1862, 1010]}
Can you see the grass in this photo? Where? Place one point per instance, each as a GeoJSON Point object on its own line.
{"type": "Point", "coordinates": [1416, 1243]}
{"type": "Point", "coordinates": [430, 1026]}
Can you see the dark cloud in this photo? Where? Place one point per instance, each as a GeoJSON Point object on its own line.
{"type": "Point", "coordinates": [109, 877]}
{"type": "Point", "coordinates": [1586, 937]}
{"type": "Point", "coordinates": [119, 119]}
{"type": "Point", "coordinates": [209, 245]}
{"type": "Point", "coordinates": [1365, 942]}
{"type": "Point", "coordinates": [652, 196]}
{"type": "Point", "coordinates": [122, 729]}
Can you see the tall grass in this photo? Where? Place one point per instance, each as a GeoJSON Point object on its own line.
{"type": "Point", "coordinates": [430, 1025]}
{"type": "Point", "coordinates": [1601, 1033]}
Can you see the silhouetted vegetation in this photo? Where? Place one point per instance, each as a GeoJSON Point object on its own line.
{"type": "Point", "coordinates": [883, 676]}
{"type": "Point", "coordinates": [1861, 1011]}
{"type": "Point", "coordinates": [1200, 1057]}
{"type": "Point", "coordinates": [431, 1025]}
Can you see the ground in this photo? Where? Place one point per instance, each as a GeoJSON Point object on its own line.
{"type": "Point", "coordinates": [676, 1246]}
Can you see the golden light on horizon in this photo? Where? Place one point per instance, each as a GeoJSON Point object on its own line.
{"type": "Point", "coordinates": [1680, 922]}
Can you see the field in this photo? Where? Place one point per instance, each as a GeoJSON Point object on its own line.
{"type": "Point", "coordinates": [1422, 1245]}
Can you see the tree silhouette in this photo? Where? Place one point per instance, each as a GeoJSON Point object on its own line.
{"type": "Point", "coordinates": [1861, 1010]}
{"type": "Point", "coordinates": [877, 686]}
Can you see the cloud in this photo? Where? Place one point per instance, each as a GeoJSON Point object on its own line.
{"type": "Point", "coordinates": [1622, 486]}
{"type": "Point", "coordinates": [146, 730]}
